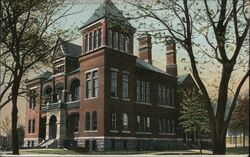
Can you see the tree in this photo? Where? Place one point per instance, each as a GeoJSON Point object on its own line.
{"type": "Point", "coordinates": [29, 29]}
{"type": "Point", "coordinates": [239, 122]}
{"type": "Point", "coordinates": [213, 34]}
{"type": "Point", "coordinates": [194, 116]}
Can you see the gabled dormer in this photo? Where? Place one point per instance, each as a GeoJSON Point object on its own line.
{"type": "Point", "coordinates": [107, 27]}
{"type": "Point", "coordinates": [65, 57]}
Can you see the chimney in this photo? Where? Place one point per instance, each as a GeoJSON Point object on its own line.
{"type": "Point", "coordinates": [171, 67]}
{"type": "Point", "coordinates": [145, 48]}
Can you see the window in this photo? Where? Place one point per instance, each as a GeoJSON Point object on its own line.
{"type": "Point", "coordinates": [139, 123]}
{"type": "Point", "coordinates": [76, 122]}
{"type": "Point", "coordinates": [113, 83]}
{"type": "Point", "coordinates": [88, 85]}
{"type": "Point", "coordinates": [125, 86]}
{"type": "Point", "coordinates": [29, 127]}
{"type": "Point", "coordinates": [87, 121]}
{"type": "Point", "coordinates": [159, 94]}
{"type": "Point", "coordinates": [59, 91]}
{"type": "Point", "coordinates": [142, 91]}
{"type": "Point", "coordinates": [59, 69]}
{"type": "Point", "coordinates": [47, 95]}
{"type": "Point", "coordinates": [121, 42]}
{"type": "Point", "coordinates": [163, 96]}
{"type": "Point", "coordinates": [86, 43]}
{"type": "Point", "coordinates": [92, 84]}
{"type": "Point", "coordinates": [33, 126]}
{"type": "Point", "coordinates": [147, 92]}
{"type": "Point", "coordinates": [113, 121]}
{"type": "Point", "coordinates": [32, 103]}
{"type": "Point", "coordinates": [109, 38]}
{"type": "Point", "coordinates": [126, 44]}
{"type": "Point", "coordinates": [95, 39]}
{"type": "Point", "coordinates": [138, 91]}
{"type": "Point", "coordinates": [148, 124]}
{"type": "Point", "coordinates": [90, 41]}
{"type": "Point", "coordinates": [95, 83]}
{"type": "Point", "coordinates": [94, 120]}
{"type": "Point", "coordinates": [173, 126]}
{"type": "Point", "coordinates": [99, 37]}
{"type": "Point", "coordinates": [125, 121]}
{"type": "Point", "coordinates": [115, 40]}
{"type": "Point", "coordinates": [74, 91]}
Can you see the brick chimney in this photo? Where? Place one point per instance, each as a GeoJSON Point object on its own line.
{"type": "Point", "coordinates": [145, 48]}
{"type": "Point", "coordinates": [171, 67]}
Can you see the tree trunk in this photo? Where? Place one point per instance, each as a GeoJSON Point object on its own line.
{"type": "Point", "coordinates": [15, 89]}
{"type": "Point", "coordinates": [219, 143]}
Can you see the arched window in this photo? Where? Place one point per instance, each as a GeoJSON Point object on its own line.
{"type": "Point", "coordinates": [32, 99]}
{"type": "Point", "coordinates": [109, 38]}
{"type": "Point", "coordinates": [99, 37]}
{"type": "Point", "coordinates": [74, 91]}
{"type": "Point", "coordinates": [113, 121]}
{"type": "Point", "coordinates": [87, 121]}
{"type": "Point", "coordinates": [47, 95]}
{"type": "Point", "coordinates": [125, 121]}
{"type": "Point", "coordinates": [126, 44]}
{"type": "Point", "coordinates": [95, 39]}
{"type": "Point", "coordinates": [90, 41]}
{"type": "Point", "coordinates": [121, 42]}
{"type": "Point", "coordinates": [94, 120]}
{"type": "Point", "coordinates": [115, 40]}
{"type": "Point", "coordinates": [86, 42]}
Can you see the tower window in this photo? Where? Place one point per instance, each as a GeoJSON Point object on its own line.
{"type": "Point", "coordinates": [109, 38]}
{"type": "Point", "coordinates": [95, 39]}
{"type": "Point", "coordinates": [99, 37]}
{"type": "Point", "coordinates": [121, 42]}
{"type": "Point", "coordinates": [115, 40]}
{"type": "Point", "coordinates": [86, 43]}
{"type": "Point", "coordinates": [90, 41]}
{"type": "Point", "coordinates": [126, 44]}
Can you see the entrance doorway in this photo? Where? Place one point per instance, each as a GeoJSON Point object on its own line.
{"type": "Point", "coordinates": [52, 127]}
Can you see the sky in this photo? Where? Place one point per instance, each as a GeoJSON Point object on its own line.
{"type": "Point", "coordinates": [86, 8]}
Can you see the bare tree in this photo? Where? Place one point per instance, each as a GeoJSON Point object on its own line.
{"type": "Point", "coordinates": [213, 33]}
{"type": "Point", "coordinates": [29, 29]}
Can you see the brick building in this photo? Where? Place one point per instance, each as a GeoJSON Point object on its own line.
{"type": "Point", "coordinates": [101, 96]}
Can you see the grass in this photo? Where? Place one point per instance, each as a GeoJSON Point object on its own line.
{"type": "Point", "coordinates": [229, 151]}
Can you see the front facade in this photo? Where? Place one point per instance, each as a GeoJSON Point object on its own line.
{"type": "Point", "coordinates": [100, 96]}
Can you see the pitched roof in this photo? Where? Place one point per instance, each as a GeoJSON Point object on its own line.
{"type": "Point", "coordinates": [68, 49]}
{"type": "Point", "coordinates": [44, 75]}
{"type": "Point", "coordinates": [145, 65]}
{"type": "Point", "coordinates": [182, 78]}
{"type": "Point", "coordinates": [107, 10]}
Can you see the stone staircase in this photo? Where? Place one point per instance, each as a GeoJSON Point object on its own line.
{"type": "Point", "coordinates": [48, 143]}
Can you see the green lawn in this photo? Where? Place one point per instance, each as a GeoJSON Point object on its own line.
{"type": "Point", "coordinates": [230, 151]}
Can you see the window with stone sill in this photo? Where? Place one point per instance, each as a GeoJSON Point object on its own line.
{"type": "Point", "coordinates": [75, 122]}
{"type": "Point", "coordinates": [166, 125]}
{"type": "Point", "coordinates": [125, 122]}
{"type": "Point", "coordinates": [59, 69]}
{"type": "Point", "coordinates": [113, 83]}
{"type": "Point", "coordinates": [31, 126]}
{"type": "Point", "coordinates": [125, 85]}
{"type": "Point", "coordinates": [94, 120]}
{"type": "Point", "coordinates": [142, 91]}
{"type": "Point", "coordinates": [92, 84]}
{"type": "Point", "coordinates": [87, 121]}
{"type": "Point", "coordinates": [74, 94]}
{"type": "Point", "coordinates": [113, 121]}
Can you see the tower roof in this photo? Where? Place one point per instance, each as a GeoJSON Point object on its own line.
{"type": "Point", "coordinates": [107, 10]}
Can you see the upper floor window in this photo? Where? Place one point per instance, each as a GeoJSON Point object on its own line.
{"type": "Point", "coordinates": [95, 39]}
{"type": "Point", "coordinates": [166, 125]}
{"type": "Point", "coordinates": [115, 40]}
{"type": "Point", "coordinates": [59, 91]}
{"type": "Point", "coordinates": [113, 83]}
{"type": "Point", "coordinates": [74, 91]}
{"type": "Point", "coordinates": [125, 121]}
{"type": "Point", "coordinates": [87, 121]}
{"type": "Point", "coordinates": [32, 102]}
{"type": "Point", "coordinates": [59, 69]}
{"type": "Point", "coordinates": [142, 91]}
{"type": "Point", "coordinates": [126, 44]}
{"type": "Point", "coordinates": [94, 120]}
{"type": "Point", "coordinates": [90, 41]}
{"type": "Point", "coordinates": [86, 43]}
{"type": "Point", "coordinates": [125, 85]}
{"type": "Point", "coordinates": [99, 37]}
{"type": "Point", "coordinates": [47, 95]}
{"type": "Point", "coordinates": [109, 38]}
{"type": "Point", "coordinates": [165, 96]}
{"type": "Point", "coordinates": [92, 84]}
{"type": "Point", "coordinates": [121, 42]}
{"type": "Point", "coordinates": [29, 127]}
{"type": "Point", "coordinates": [113, 121]}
